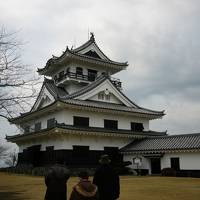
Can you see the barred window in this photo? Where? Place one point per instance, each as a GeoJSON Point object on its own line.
{"type": "Point", "coordinates": [137, 126]}
{"type": "Point", "coordinates": [27, 129]}
{"type": "Point", "coordinates": [51, 123]}
{"type": "Point", "coordinates": [79, 71]}
{"type": "Point", "coordinates": [110, 124]}
{"type": "Point", "coordinates": [81, 121]}
{"type": "Point", "coordinates": [101, 95]}
{"type": "Point", "coordinates": [38, 126]}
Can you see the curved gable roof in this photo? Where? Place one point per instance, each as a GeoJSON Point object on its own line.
{"type": "Point", "coordinates": [56, 92]}
{"type": "Point", "coordinates": [79, 54]}
{"type": "Point", "coordinates": [90, 42]}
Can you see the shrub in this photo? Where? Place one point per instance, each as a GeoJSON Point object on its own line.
{"type": "Point", "coordinates": [168, 172]}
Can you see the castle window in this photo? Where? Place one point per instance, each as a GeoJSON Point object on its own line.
{"type": "Point", "coordinates": [101, 95]}
{"type": "Point", "coordinates": [111, 124]}
{"type": "Point", "coordinates": [27, 129]}
{"type": "Point", "coordinates": [51, 123]}
{"type": "Point", "coordinates": [104, 95]}
{"type": "Point", "coordinates": [107, 97]}
{"type": "Point", "coordinates": [81, 121]}
{"type": "Point", "coordinates": [92, 74]}
{"type": "Point", "coordinates": [79, 71]}
{"type": "Point", "coordinates": [38, 126]}
{"type": "Point", "coordinates": [137, 126]}
{"type": "Point", "coordinates": [175, 163]}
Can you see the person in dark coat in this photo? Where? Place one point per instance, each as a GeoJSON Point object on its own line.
{"type": "Point", "coordinates": [55, 181]}
{"type": "Point", "coordinates": [84, 190]}
{"type": "Point", "coordinates": [107, 180]}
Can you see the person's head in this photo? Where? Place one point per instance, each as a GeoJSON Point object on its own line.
{"type": "Point", "coordinates": [83, 175]}
{"type": "Point", "coordinates": [104, 159]}
{"type": "Point", "coordinates": [59, 162]}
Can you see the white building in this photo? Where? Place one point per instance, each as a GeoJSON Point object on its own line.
{"type": "Point", "coordinates": [81, 113]}
{"type": "Point", "coordinates": [181, 152]}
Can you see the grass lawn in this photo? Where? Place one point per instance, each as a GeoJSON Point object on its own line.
{"type": "Point", "coordinates": [21, 187]}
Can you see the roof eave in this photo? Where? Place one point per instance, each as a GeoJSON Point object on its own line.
{"type": "Point", "coordinates": [68, 54]}
{"type": "Point", "coordinates": [143, 152]}
{"type": "Point", "coordinates": [60, 128]}
{"type": "Point", "coordinates": [29, 115]}
{"type": "Point", "coordinates": [60, 103]}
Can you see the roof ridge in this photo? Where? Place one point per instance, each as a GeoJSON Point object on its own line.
{"type": "Point", "coordinates": [175, 136]}
{"type": "Point", "coordinates": [89, 42]}
{"type": "Point", "coordinates": [56, 88]}
{"type": "Point", "coordinates": [98, 81]}
{"type": "Point", "coordinates": [139, 107]}
{"type": "Point", "coordinates": [187, 134]}
{"type": "Point", "coordinates": [97, 59]}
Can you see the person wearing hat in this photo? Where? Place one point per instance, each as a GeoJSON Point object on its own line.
{"type": "Point", "coordinates": [84, 190]}
{"type": "Point", "coordinates": [107, 180]}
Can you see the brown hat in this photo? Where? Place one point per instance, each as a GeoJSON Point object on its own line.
{"type": "Point", "coordinates": [104, 159]}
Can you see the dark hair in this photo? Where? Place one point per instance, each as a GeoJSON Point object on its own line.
{"type": "Point", "coordinates": [59, 162]}
{"type": "Point", "coordinates": [83, 174]}
{"type": "Point", "coordinates": [104, 159]}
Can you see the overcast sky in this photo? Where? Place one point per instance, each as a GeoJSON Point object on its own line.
{"type": "Point", "coordinates": [160, 40]}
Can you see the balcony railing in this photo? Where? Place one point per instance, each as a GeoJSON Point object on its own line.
{"type": "Point", "coordinates": [88, 78]}
{"type": "Point", "coordinates": [75, 76]}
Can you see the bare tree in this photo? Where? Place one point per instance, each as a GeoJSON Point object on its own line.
{"type": "Point", "coordinates": [17, 81]}
{"type": "Point", "coordinates": [8, 154]}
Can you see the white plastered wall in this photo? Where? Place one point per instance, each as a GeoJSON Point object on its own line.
{"type": "Point", "coordinates": [95, 119]}
{"type": "Point", "coordinates": [66, 141]}
{"type": "Point", "coordinates": [188, 161]}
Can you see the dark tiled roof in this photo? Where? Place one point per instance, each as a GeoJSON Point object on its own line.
{"type": "Point", "coordinates": [57, 92]}
{"type": "Point", "coordinates": [88, 43]}
{"type": "Point", "coordinates": [118, 131]}
{"type": "Point", "coordinates": [76, 54]}
{"type": "Point", "coordinates": [89, 129]}
{"type": "Point", "coordinates": [98, 104]}
{"type": "Point", "coordinates": [164, 143]}
{"type": "Point", "coordinates": [89, 87]}
{"type": "Point", "coordinates": [121, 64]}
{"type": "Point", "coordinates": [60, 94]}
{"type": "Point", "coordinates": [112, 106]}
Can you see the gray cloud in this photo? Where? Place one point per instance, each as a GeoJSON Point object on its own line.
{"type": "Point", "coordinates": [159, 39]}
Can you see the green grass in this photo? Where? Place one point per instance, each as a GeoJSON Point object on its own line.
{"type": "Point", "coordinates": [22, 187]}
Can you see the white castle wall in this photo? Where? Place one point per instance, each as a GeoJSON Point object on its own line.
{"type": "Point", "coordinates": [67, 141]}
{"type": "Point", "coordinates": [95, 119]}
{"type": "Point", "coordinates": [187, 160]}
